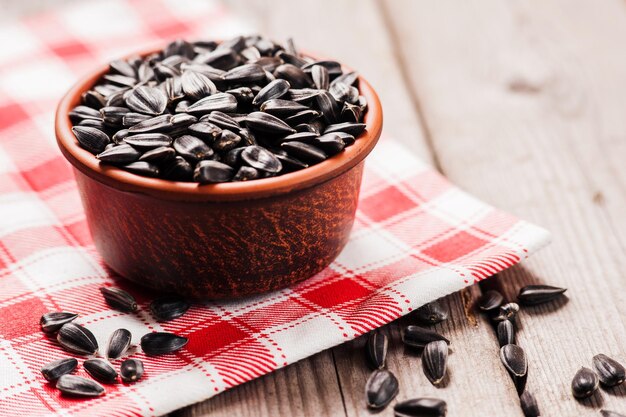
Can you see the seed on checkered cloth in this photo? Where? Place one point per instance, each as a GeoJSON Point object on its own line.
{"type": "Point", "coordinates": [56, 369]}
{"type": "Point", "coordinates": [584, 383]}
{"type": "Point", "coordinates": [431, 313]}
{"type": "Point", "coordinates": [131, 370]}
{"type": "Point", "coordinates": [142, 168]}
{"type": "Point", "coordinates": [160, 343]}
{"type": "Point", "coordinates": [419, 337]}
{"type": "Point", "coordinates": [119, 342]}
{"type": "Point", "coordinates": [381, 387]}
{"type": "Point", "coordinates": [506, 333]}
{"type": "Point", "coordinates": [610, 371]}
{"type": "Point", "coordinates": [119, 154]}
{"type": "Point", "coordinates": [490, 300]}
{"type": "Point", "coordinates": [539, 294]}
{"type": "Point", "coordinates": [119, 299]}
{"type": "Point", "coordinates": [514, 360]}
{"type": "Point", "coordinates": [529, 405]}
{"type": "Point", "coordinates": [159, 155]}
{"type": "Point", "coordinates": [376, 349]}
{"type": "Point", "coordinates": [79, 386]}
{"type": "Point", "coordinates": [607, 413]}
{"type": "Point", "coordinates": [211, 172]}
{"type": "Point", "coordinates": [148, 100]}
{"type": "Point", "coordinates": [90, 138]}
{"type": "Point", "coordinates": [52, 322]}
{"type": "Point", "coordinates": [101, 370]}
{"type": "Point", "coordinates": [421, 407]}
{"type": "Point", "coordinates": [435, 360]}
{"type": "Point", "coordinates": [169, 308]}
{"type": "Point", "coordinates": [77, 339]}
{"type": "Point", "coordinates": [507, 312]}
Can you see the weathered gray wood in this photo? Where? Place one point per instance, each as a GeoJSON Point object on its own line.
{"type": "Point", "coordinates": [523, 103]}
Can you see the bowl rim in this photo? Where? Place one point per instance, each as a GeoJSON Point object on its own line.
{"type": "Point", "coordinates": [120, 179]}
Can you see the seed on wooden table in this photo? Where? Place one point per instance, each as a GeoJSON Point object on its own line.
{"type": "Point", "coordinates": [192, 148]}
{"type": "Point", "coordinates": [304, 151]}
{"type": "Point", "coordinates": [355, 129]}
{"type": "Point", "coordinates": [272, 90]}
{"type": "Point", "coordinates": [178, 170]}
{"type": "Point", "coordinates": [119, 299]}
{"type": "Point", "coordinates": [539, 294]}
{"type": "Point", "coordinates": [147, 141]}
{"type": "Point", "coordinates": [266, 123]}
{"type": "Point", "coordinates": [381, 387]}
{"type": "Point", "coordinates": [142, 168]}
{"type": "Point", "coordinates": [610, 371]}
{"type": "Point", "coordinates": [222, 120]}
{"type": "Point", "coordinates": [148, 100]}
{"type": "Point", "coordinates": [210, 172]}
{"type": "Point", "coordinates": [131, 370]}
{"type": "Point", "coordinates": [119, 342]}
{"type": "Point", "coordinates": [56, 369]}
{"type": "Point", "coordinates": [490, 300]}
{"type": "Point", "coordinates": [529, 405]}
{"type": "Point", "coordinates": [217, 102]}
{"type": "Point", "coordinates": [101, 370]}
{"type": "Point", "coordinates": [158, 155]}
{"type": "Point", "coordinates": [607, 413]}
{"type": "Point", "coordinates": [294, 75]}
{"type": "Point", "coordinates": [52, 322]}
{"type": "Point", "coordinates": [169, 308]}
{"type": "Point", "coordinates": [260, 158]}
{"type": "Point", "coordinates": [79, 386]}
{"type": "Point", "coordinates": [245, 74]}
{"type": "Point", "coordinates": [120, 154]}
{"type": "Point", "coordinates": [246, 174]}
{"type": "Point", "coordinates": [434, 361]}
{"type": "Point", "coordinates": [419, 337]}
{"type": "Point", "coordinates": [226, 141]}
{"type": "Point", "coordinates": [77, 339]}
{"type": "Point", "coordinates": [376, 349]}
{"type": "Point", "coordinates": [197, 85]}
{"type": "Point", "coordinates": [161, 342]}
{"type": "Point", "coordinates": [421, 407]}
{"type": "Point", "coordinates": [155, 124]}
{"type": "Point", "coordinates": [431, 313]}
{"type": "Point", "coordinates": [514, 360]}
{"type": "Point", "coordinates": [507, 312]}
{"type": "Point", "coordinates": [506, 333]}
{"type": "Point", "coordinates": [90, 138]}
{"type": "Point", "coordinates": [585, 383]}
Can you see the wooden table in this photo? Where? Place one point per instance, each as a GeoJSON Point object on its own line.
{"type": "Point", "coordinates": [522, 104]}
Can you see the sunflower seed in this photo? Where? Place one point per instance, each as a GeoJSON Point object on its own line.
{"type": "Point", "coordinates": [304, 151]}
{"type": "Point", "coordinates": [294, 75]}
{"type": "Point", "coordinates": [244, 95]}
{"type": "Point", "coordinates": [192, 148]}
{"type": "Point", "coordinates": [421, 407]}
{"type": "Point", "coordinates": [304, 116]}
{"type": "Point", "coordinates": [119, 342]}
{"type": "Point", "coordinates": [305, 137]}
{"type": "Point", "coordinates": [282, 108]}
{"type": "Point", "coordinates": [120, 80]}
{"type": "Point", "coordinates": [131, 119]}
{"type": "Point", "coordinates": [223, 59]}
{"type": "Point", "coordinates": [434, 361]}
{"type": "Point", "coordinates": [114, 116]}
{"type": "Point", "coordinates": [226, 141]}
{"type": "Point", "coordinates": [101, 370]}
{"type": "Point", "coordinates": [354, 129]}
{"type": "Point", "coordinates": [119, 299]}
{"type": "Point", "coordinates": [163, 71]}
{"type": "Point", "coordinates": [491, 300]}
{"type": "Point", "coordinates": [142, 168]}
{"type": "Point", "coordinates": [93, 99]}
{"type": "Point", "coordinates": [514, 360]}
{"type": "Point", "coordinates": [347, 138]}
{"type": "Point", "coordinates": [333, 67]}
{"type": "Point", "coordinates": [419, 337]}
{"type": "Point", "coordinates": [179, 47]}
{"type": "Point", "coordinates": [233, 157]}
{"type": "Point", "coordinates": [539, 294]}
{"type": "Point", "coordinates": [161, 342]}
{"type": "Point", "coordinates": [90, 138]}
{"type": "Point", "coordinates": [607, 413]}
{"type": "Point", "coordinates": [329, 108]}
{"type": "Point", "coordinates": [222, 120]}
{"type": "Point", "coordinates": [246, 174]}
{"type": "Point", "coordinates": [209, 172]}
{"type": "Point", "coordinates": [158, 155]}
{"type": "Point", "coordinates": [77, 339]}
{"type": "Point", "coordinates": [197, 85]}
{"type": "Point", "coordinates": [98, 124]}
{"type": "Point", "coordinates": [507, 312]}
{"type": "Point", "coordinates": [303, 95]}
{"type": "Point", "coordinates": [431, 313]}
{"type": "Point", "coordinates": [290, 163]}
{"type": "Point", "coordinates": [376, 349]}
{"type": "Point", "coordinates": [154, 124]}
{"type": "Point", "coordinates": [529, 405]}
{"type": "Point", "coordinates": [292, 59]}
{"type": "Point", "coordinates": [80, 113]}
{"type": "Point", "coordinates": [260, 158]}
{"type": "Point", "coordinates": [122, 67]}
{"type": "Point", "coordinates": [329, 143]}
{"type": "Point", "coordinates": [221, 102]}
{"type": "Point", "coordinates": [52, 322]}
{"type": "Point", "coordinates": [610, 371]}
{"type": "Point", "coordinates": [506, 333]}
{"type": "Point", "coordinates": [380, 388]}
{"type": "Point", "coordinates": [120, 154]}
{"type": "Point", "coordinates": [251, 53]}
{"type": "Point", "coordinates": [269, 64]}
{"type": "Point", "coordinates": [178, 170]}
{"type": "Point", "coordinates": [266, 123]}
{"type": "Point", "coordinates": [349, 78]}
{"type": "Point", "coordinates": [213, 74]}
{"type": "Point", "coordinates": [584, 383]}
{"type": "Point", "coordinates": [131, 370]}
{"type": "Point", "coordinates": [56, 369]}
{"type": "Point", "coordinates": [180, 123]}
{"type": "Point", "coordinates": [344, 93]}
{"type": "Point", "coordinates": [244, 74]}
{"type": "Point", "coordinates": [168, 308]}
{"type": "Point", "coordinates": [205, 131]}
{"type": "Point", "coordinates": [351, 113]}
{"type": "Point", "coordinates": [320, 77]}
{"type": "Point", "coordinates": [148, 100]}
{"type": "Point", "coordinates": [79, 386]}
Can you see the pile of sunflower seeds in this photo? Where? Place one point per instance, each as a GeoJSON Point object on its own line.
{"type": "Point", "coordinates": [240, 110]}
{"type": "Point", "coordinates": [79, 340]}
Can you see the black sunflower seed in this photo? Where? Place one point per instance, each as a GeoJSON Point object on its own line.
{"type": "Point", "coordinates": [507, 312]}
{"type": "Point", "coordinates": [52, 322]}
{"type": "Point", "coordinates": [355, 129]}
{"type": "Point", "coordinates": [344, 93]}
{"type": "Point", "coordinates": [306, 127]}
{"type": "Point", "coordinates": [217, 102]}
{"type": "Point", "coordinates": [77, 339]}
{"type": "Point", "coordinates": [222, 120]}
{"type": "Point", "coordinates": [294, 75]}
{"type": "Point", "coordinates": [158, 155]}
{"type": "Point", "coordinates": [607, 413]}
{"type": "Point", "coordinates": [209, 172]}
{"type": "Point", "coordinates": [305, 137]}
{"type": "Point", "coordinates": [333, 67]}
{"type": "Point", "coordinates": [120, 80]}
{"type": "Point", "coordinates": [381, 387]}
{"type": "Point", "coordinates": [180, 123]}
{"type": "Point", "coordinates": [131, 119]}
{"type": "Point", "coordinates": [80, 113]}
{"type": "Point", "coordinates": [245, 74]}
{"type": "Point", "coordinates": [93, 99]}
{"type": "Point", "coordinates": [434, 361]}
{"type": "Point", "coordinates": [266, 123]}
{"type": "Point", "coordinates": [79, 386]}
{"type": "Point", "coordinates": [178, 170]}
{"type": "Point", "coordinates": [155, 124]}
{"type": "Point", "coordinates": [347, 138]}
{"type": "Point", "coordinates": [192, 148]}
{"type": "Point", "coordinates": [304, 151]}
{"type": "Point", "coordinates": [513, 358]}
{"type": "Point", "coordinates": [98, 124]}
{"type": "Point", "coordinates": [431, 313]}
{"type": "Point", "coordinates": [148, 100]}
{"type": "Point", "coordinates": [610, 371]}
{"type": "Point", "coordinates": [197, 85]}
{"type": "Point", "coordinates": [244, 95]}
{"type": "Point", "coordinates": [292, 59]}
{"type": "Point", "coordinates": [251, 53]}
{"type": "Point", "coordinates": [539, 294]}
{"type": "Point", "coordinates": [584, 383]}
{"type": "Point", "coordinates": [142, 168]}
{"type": "Point", "coordinates": [226, 141]}
{"type": "Point", "coordinates": [246, 174]}
{"type": "Point", "coordinates": [419, 337]}
{"type": "Point", "coordinates": [329, 108]}
{"type": "Point", "coordinates": [506, 333]}
{"type": "Point", "coordinates": [529, 405]}
{"type": "Point", "coordinates": [491, 300]}
{"type": "Point", "coordinates": [173, 88]}
{"type": "Point", "coordinates": [168, 308]}
{"type": "Point", "coordinates": [290, 163]}
{"type": "Point", "coordinates": [100, 370]}
{"type": "Point", "coordinates": [282, 108]}
{"type": "Point", "coordinates": [114, 116]}
{"type": "Point", "coordinates": [119, 154]}
{"type": "Point", "coordinates": [349, 78]}
{"type": "Point", "coordinates": [211, 73]}
{"type": "Point", "coordinates": [303, 95]}
{"type": "Point", "coordinates": [205, 130]}
{"type": "Point", "coordinates": [119, 299]}
{"type": "Point", "coordinates": [376, 349]}
{"type": "Point", "coordinates": [269, 64]}
{"type": "Point", "coordinates": [233, 157]}
{"type": "Point", "coordinates": [223, 59]}
{"type": "Point", "coordinates": [421, 407]}
{"type": "Point", "coordinates": [161, 342]}
{"type": "Point", "coordinates": [90, 138]}
{"type": "Point", "coordinates": [147, 141]}
{"type": "Point", "coordinates": [56, 369]}
{"type": "Point", "coordinates": [260, 158]}
{"type": "Point", "coordinates": [304, 116]}
{"type": "Point", "coordinates": [121, 66]}
{"type": "Point", "coordinates": [119, 342]}
{"type": "Point", "coordinates": [131, 370]}
{"type": "Point", "coordinates": [351, 113]}
{"type": "Point", "coordinates": [330, 143]}
{"type": "Point", "coordinates": [320, 77]}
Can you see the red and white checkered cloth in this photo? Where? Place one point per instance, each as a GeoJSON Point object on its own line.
{"type": "Point", "coordinates": [416, 237]}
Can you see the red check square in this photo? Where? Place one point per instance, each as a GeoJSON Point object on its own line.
{"type": "Point", "coordinates": [454, 247]}
{"type": "Point", "coordinates": [338, 292]}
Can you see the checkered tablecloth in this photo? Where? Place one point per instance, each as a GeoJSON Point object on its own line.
{"type": "Point", "coordinates": [416, 237]}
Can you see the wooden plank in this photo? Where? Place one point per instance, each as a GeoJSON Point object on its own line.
{"type": "Point", "coordinates": [523, 103]}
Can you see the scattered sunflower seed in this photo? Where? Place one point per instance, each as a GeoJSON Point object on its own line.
{"type": "Point", "coordinates": [419, 337]}
{"type": "Point", "coordinates": [79, 386]}
{"type": "Point", "coordinates": [131, 370]}
{"type": "Point", "coordinates": [101, 370]}
{"type": "Point", "coordinates": [52, 322]}
{"type": "Point", "coordinates": [506, 333]}
{"type": "Point", "coordinates": [491, 300]}
{"type": "Point", "coordinates": [119, 299]}
{"type": "Point", "coordinates": [119, 342]}
{"type": "Point", "coordinates": [434, 361]}
{"type": "Point", "coordinates": [421, 407]}
{"type": "Point", "coordinates": [539, 294]}
{"type": "Point", "coordinates": [381, 387]}
{"type": "Point", "coordinates": [431, 313]}
{"type": "Point", "coordinates": [507, 312]}
{"type": "Point", "coordinates": [585, 383]}
{"type": "Point", "coordinates": [529, 405]}
{"type": "Point", "coordinates": [169, 308]}
{"type": "Point", "coordinates": [376, 349]}
{"type": "Point", "coordinates": [160, 343]}
{"type": "Point", "coordinates": [56, 369]}
{"type": "Point", "coordinates": [77, 339]}
{"type": "Point", "coordinates": [514, 360]}
{"type": "Point", "coordinates": [610, 371]}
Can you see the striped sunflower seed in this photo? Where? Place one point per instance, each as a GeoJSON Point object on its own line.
{"type": "Point", "coordinates": [376, 349]}
{"type": "Point", "coordinates": [90, 138]}
{"type": "Point", "coordinates": [245, 74]}
{"type": "Point", "coordinates": [431, 313]}
{"type": "Point", "coordinates": [80, 113]}
{"type": "Point", "coordinates": [178, 170]}
{"type": "Point", "coordinates": [56, 369]}
{"type": "Point", "coordinates": [52, 322]}
{"type": "Point", "coordinates": [328, 107]}
{"type": "Point", "coordinates": [119, 342]}
{"type": "Point", "coordinates": [294, 75]}
{"type": "Point", "coordinates": [197, 85]}
{"type": "Point", "coordinates": [226, 141]}
{"type": "Point", "coordinates": [351, 113]}
{"type": "Point", "coordinates": [290, 163]}
{"type": "Point", "coordinates": [584, 383]}
{"type": "Point", "coordinates": [148, 100]}
{"type": "Point", "coordinates": [119, 154]}
{"type": "Point", "coordinates": [155, 124]}
{"type": "Point", "coordinates": [381, 387]}
{"type": "Point", "coordinates": [282, 108]}
{"type": "Point", "coordinates": [347, 138]}
{"type": "Point", "coordinates": [303, 95]}
{"type": "Point", "coordinates": [192, 148]}
{"type": "Point", "coordinates": [490, 301]}
{"type": "Point", "coordinates": [244, 95]}
{"type": "Point", "coordinates": [304, 116]}
{"type": "Point", "coordinates": [539, 294]}
{"type": "Point", "coordinates": [419, 337]}
{"type": "Point", "coordinates": [434, 361]}
{"type": "Point", "coordinates": [78, 386]}
{"type": "Point", "coordinates": [349, 78]}
{"type": "Point", "coordinates": [119, 299]}
{"type": "Point", "coordinates": [333, 67]}
{"type": "Point", "coordinates": [514, 360]}
{"type": "Point", "coordinates": [507, 312]}
{"type": "Point", "coordinates": [158, 155]}
{"type": "Point", "coordinates": [529, 405]}
{"type": "Point", "coordinates": [131, 119]}
{"type": "Point", "coordinates": [610, 371]}
{"type": "Point", "coordinates": [217, 102]}
{"type": "Point", "coordinates": [330, 143]}
{"type": "Point", "coordinates": [169, 308]}
{"type": "Point", "coordinates": [266, 123]}
{"type": "Point", "coordinates": [354, 129]}
{"type": "Point", "coordinates": [245, 173]}
{"type": "Point", "coordinates": [142, 168]}
{"type": "Point", "coordinates": [211, 172]}
{"type": "Point", "coordinates": [147, 141]}
{"type": "Point", "coordinates": [77, 339]}
{"type": "Point", "coordinates": [223, 121]}
{"type": "Point", "coordinates": [260, 158]}
{"type": "Point", "coordinates": [320, 77]}
{"type": "Point", "coordinates": [131, 370]}
{"type": "Point", "coordinates": [506, 333]}
{"type": "Point", "coordinates": [100, 370]}
{"type": "Point", "coordinates": [421, 407]}
{"type": "Point", "coordinates": [161, 343]}
{"type": "Point", "coordinates": [308, 153]}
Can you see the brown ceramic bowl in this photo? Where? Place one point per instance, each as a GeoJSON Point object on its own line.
{"type": "Point", "coordinates": [221, 240]}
